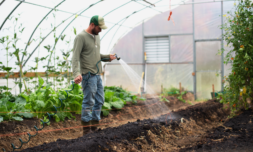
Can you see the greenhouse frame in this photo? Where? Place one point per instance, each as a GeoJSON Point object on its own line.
{"type": "Point", "coordinates": [126, 75]}
{"type": "Point", "coordinates": [167, 29]}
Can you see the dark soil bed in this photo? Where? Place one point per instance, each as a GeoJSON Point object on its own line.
{"type": "Point", "coordinates": [11, 131]}
{"type": "Point", "coordinates": [236, 135]}
{"type": "Point", "coordinates": [171, 132]}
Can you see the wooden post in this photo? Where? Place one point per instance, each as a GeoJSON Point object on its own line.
{"type": "Point", "coordinates": [180, 88]}
{"type": "Point", "coordinates": [139, 92]}
{"type": "Point", "coordinates": [213, 90]}
{"type": "Point", "coordinates": [161, 89]}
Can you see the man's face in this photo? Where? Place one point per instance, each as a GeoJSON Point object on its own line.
{"type": "Point", "coordinates": [96, 30]}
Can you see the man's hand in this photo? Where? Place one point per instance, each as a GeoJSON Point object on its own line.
{"type": "Point", "coordinates": [112, 57]}
{"type": "Point", "coordinates": [78, 79]}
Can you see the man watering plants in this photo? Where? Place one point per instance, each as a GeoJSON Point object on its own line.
{"type": "Point", "coordinates": [86, 51]}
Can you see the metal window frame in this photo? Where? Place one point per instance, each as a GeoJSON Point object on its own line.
{"type": "Point", "coordinates": [155, 46]}
{"type": "Point", "coordinates": [207, 40]}
{"type": "Point", "coordinates": [10, 14]}
{"type": "Point", "coordinates": [165, 35]}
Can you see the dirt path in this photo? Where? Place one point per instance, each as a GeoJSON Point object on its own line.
{"type": "Point", "coordinates": [160, 134]}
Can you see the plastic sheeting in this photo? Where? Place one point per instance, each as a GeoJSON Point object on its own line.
{"type": "Point", "coordinates": [124, 35]}
{"type": "Point", "coordinates": [207, 18]}
{"type": "Point", "coordinates": [159, 25]}
{"type": "Point", "coordinates": [228, 7]}
{"type": "Point", "coordinates": [130, 46]}
{"type": "Point", "coordinates": [205, 80]}
{"type": "Point", "coordinates": [169, 75]}
{"type": "Point", "coordinates": [115, 75]}
{"type": "Point", "coordinates": [181, 49]}
{"type": "Point", "coordinates": [208, 64]}
{"type": "Point", "coordinates": [207, 57]}
{"type": "Point", "coordinates": [118, 19]}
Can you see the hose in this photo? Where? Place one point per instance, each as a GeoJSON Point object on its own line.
{"type": "Point", "coordinates": [89, 73]}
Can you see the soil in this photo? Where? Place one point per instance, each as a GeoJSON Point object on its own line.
{"type": "Point", "coordinates": [163, 133]}
{"type": "Point", "coordinates": [235, 135]}
{"type": "Point", "coordinates": [160, 126]}
{"type": "Point", "coordinates": [11, 131]}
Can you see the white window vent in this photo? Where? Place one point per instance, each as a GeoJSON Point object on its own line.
{"type": "Point", "coordinates": [157, 49]}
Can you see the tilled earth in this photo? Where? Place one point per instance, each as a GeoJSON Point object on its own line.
{"type": "Point", "coordinates": [11, 131]}
{"type": "Point", "coordinates": [189, 130]}
{"type": "Point", "coordinates": [236, 135]}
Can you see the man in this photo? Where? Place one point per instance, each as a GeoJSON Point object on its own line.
{"type": "Point", "coordinates": [86, 51]}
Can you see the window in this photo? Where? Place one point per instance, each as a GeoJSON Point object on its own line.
{"type": "Point", "coordinates": [157, 49]}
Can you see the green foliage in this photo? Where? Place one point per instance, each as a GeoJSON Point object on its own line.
{"type": "Point", "coordinates": [45, 120]}
{"type": "Point", "coordinates": [142, 99]}
{"type": "Point", "coordinates": [74, 30]}
{"type": "Point", "coordinates": [48, 47]}
{"type": "Point", "coordinates": [180, 97]}
{"type": "Point", "coordinates": [171, 91]}
{"type": "Point", "coordinates": [163, 99]}
{"type": "Point", "coordinates": [44, 98]}
{"type": "Point", "coordinates": [116, 98]}
{"type": "Point", "coordinates": [238, 33]}
{"type": "Point", "coordinates": [73, 102]}
{"type": "Point", "coordinates": [12, 110]}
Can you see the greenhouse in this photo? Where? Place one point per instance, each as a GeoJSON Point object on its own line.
{"type": "Point", "coordinates": [171, 75]}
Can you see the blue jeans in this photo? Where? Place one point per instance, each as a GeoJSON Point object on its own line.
{"type": "Point", "coordinates": [93, 99]}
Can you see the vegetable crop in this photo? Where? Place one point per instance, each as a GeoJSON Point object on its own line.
{"type": "Point", "coordinates": [116, 98]}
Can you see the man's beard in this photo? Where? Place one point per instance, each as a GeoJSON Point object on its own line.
{"type": "Point", "coordinates": [94, 32]}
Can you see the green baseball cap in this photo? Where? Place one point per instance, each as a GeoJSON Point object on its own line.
{"type": "Point", "coordinates": [99, 21]}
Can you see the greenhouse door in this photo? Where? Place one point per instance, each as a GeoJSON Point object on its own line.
{"type": "Point", "coordinates": [208, 68]}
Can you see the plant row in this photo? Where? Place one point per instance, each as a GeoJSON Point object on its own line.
{"type": "Point", "coordinates": [44, 98]}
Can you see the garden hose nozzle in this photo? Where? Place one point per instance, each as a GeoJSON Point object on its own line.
{"type": "Point", "coordinates": [118, 58]}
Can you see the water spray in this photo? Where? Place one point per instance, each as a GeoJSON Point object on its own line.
{"type": "Point", "coordinates": [104, 59]}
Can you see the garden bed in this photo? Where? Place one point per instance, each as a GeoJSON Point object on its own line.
{"type": "Point", "coordinates": [11, 131]}
{"type": "Point", "coordinates": [186, 129]}
{"type": "Point", "coordinates": [235, 135]}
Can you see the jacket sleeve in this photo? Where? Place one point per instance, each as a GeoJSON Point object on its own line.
{"type": "Point", "coordinates": [78, 46]}
{"type": "Point", "coordinates": [105, 56]}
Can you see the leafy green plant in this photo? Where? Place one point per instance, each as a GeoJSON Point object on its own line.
{"type": "Point", "coordinates": [162, 98]}
{"type": "Point", "coordinates": [45, 98]}
{"type": "Point", "coordinates": [72, 103]}
{"type": "Point", "coordinates": [180, 97]}
{"type": "Point", "coordinates": [45, 120]}
{"type": "Point", "coordinates": [220, 95]}
{"type": "Point", "coordinates": [116, 97]}
{"type": "Point", "coordinates": [13, 110]}
{"type": "Point", "coordinates": [18, 51]}
{"type": "Point", "coordinates": [238, 33]}
{"type": "Point", "coordinates": [41, 100]}
{"type": "Point", "coordinates": [5, 40]}
{"type": "Point", "coordinates": [5, 89]}
{"type": "Point", "coordinates": [171, 91]}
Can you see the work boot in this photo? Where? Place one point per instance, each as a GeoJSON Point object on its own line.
{"type": "Point", "coordinates": [86, 127]}
{"type": "Point", "coordinates": [94, 125]}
